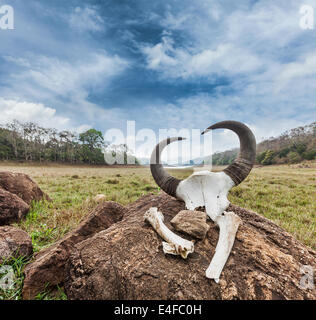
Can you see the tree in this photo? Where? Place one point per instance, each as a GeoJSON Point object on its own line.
{"type": "Point", "coordinates": [30, 142]}
{"type": "Point", "coordinates": [6, 150]}
{"type": "Point", "coordinates": [93, 143]}
{"type": "Point", "coordinates": [92, 138]}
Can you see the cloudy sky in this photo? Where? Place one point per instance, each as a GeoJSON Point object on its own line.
{"type": "Point", "coordinates": [163, 64]}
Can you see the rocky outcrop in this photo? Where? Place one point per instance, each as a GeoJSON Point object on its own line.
{"type": "Point", "coordinates": [23, 186]}
{"type": "Point", "coordinates": [12, 208]}
{"type": "Point", "coordinates": [14, 243]}
{"type": "Point", "coordinates": [126, 261]}
{"type": "Point", "coordinates": [49, 264]}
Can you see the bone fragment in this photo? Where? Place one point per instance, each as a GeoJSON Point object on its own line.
{"type": "Point", "coordinates": [174, 244]}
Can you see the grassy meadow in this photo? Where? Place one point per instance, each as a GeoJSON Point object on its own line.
{"type": "Point", "coordinates": [286, 194]}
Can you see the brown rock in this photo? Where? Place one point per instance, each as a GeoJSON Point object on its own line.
{"type": "Point", "coordinates": [126, 261]}
{"type": "Point", "coordinates": [192, 223]}
{"type": "Point", "coordinates": [49, 264]}
{"type": "Point", "coordinates": [23, 186]}
{"type": "Point", "coordinates": [12, 208]}
{"type": "Point", "coordinates": [14, 243]}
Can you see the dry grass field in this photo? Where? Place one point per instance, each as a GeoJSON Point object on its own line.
{"type": "Point", "coordinates": [285, 194]}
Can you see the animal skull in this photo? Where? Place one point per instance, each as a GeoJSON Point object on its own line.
{"type": "Point", "coordinates": [210, 189]}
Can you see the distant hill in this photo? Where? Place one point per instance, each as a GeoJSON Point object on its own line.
{"type": "Point", "coordinates": [292, 146]}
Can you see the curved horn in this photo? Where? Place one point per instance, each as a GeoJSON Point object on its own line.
{"type": "Point", "coordinates": [164, 180]}
{"type": "Point", "coordinates": [241, 167]}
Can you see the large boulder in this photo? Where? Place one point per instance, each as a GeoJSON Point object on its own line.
{"type": "Point", "coordinates": [14, 243]}
{"type": "Point", "coordinates": [126, 261]}
{"type": "Point", "coordinates": [49, 264]}
{"type": "Point", "coordinates": [23, 186]}
{"type": "Point", "coordinates": [12, 208]}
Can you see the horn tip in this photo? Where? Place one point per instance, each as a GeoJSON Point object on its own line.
{"type": "Point", "coordinates": [205, 131]}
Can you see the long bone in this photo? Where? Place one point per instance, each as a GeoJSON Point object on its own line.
{"type": "Point", "coordinates": [210, 189]}
{"type": "Point", "coordinates": [174, 244]}
{"type": "Point", "coordinates": [228, 224]}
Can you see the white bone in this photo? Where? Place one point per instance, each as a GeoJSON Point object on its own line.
{"type": "Point", "coordinates": [210, 189]}
{"type": "Point", "coordinates": [175, 245]}
{"type": "Point", "coordinates": [228, 224]}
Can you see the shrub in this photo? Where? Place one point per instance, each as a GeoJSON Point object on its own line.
{"type": "Point", "coordinates": [309, 155]}
{"type": "Point", "coordinates": [294, 157]}
{"type": "Point", "coordinates": [284, 152]}
{"type": "Point", "coordinates": [268, 157]}
{"type": "Point", "coordinates": [261, 156]}
{"type": "Point", "coordinates": [299, 147]}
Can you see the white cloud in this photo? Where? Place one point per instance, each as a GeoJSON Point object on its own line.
{"type": "Point", "coordinates": [31, 112]}
{"type": "Point", "coordinates": [157, 56]}
{"type": "Point", "coordinates": [268, 63]}
{"type": "Point", "coordinates": [18, 61]}
{"type": "Point", "coordinates": [298, 70]}
{"type": "Point", "coordinates": [226, 39]}
{"type": "Point", "coordinates": [61, 83]}
{"type": "Point", "coordinates": [226, 59]}
{"type": "Point", "coordinates": [64, 78]}
{"type": "Point", "coordinates": [175, 22]}
{"type": "Point", "coordinates": [86, 19]}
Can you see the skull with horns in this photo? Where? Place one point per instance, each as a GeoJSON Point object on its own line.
{"type": "Point", "coordinates": [206, 189]}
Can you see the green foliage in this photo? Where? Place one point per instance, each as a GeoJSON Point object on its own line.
{"type": "Point", "coordinates": [292, 146]}
{"type": "Point", "coordinates": [294, 157]}
{"type": "Point", "coordinates": [284, 152]}
{"type": "Point", "coordinates": [50, 294]}
{"type": "Point", "coordinates": [261, 156]}
{"type": "Point", "coordinates": [298, 147]}
{"type": "Point", "coordinates": [309, 155]}
{"type": "Point", "coordinates": [284, 194]}
{"type": "Point", "coordinates": [30, 142]}
{"type": "Point", "coordinates": [268, 157]}
{"type": "Point", "coordinates": [224, 158]}
{"type": "Point", "coordinates": [14, 293]}
{"type": "Point", "coordinates": [92, 138]}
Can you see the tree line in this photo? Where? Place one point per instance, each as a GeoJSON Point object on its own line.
{"type": "Point", "coordinates": [30, 142]}
{"type": "Point", "coordinates": [292, 146]}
